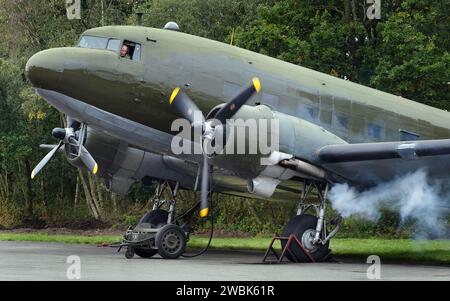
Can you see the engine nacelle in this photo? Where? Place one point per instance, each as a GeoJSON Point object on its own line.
{"type": "Point", "coordinates": [121, 165]}
{"type": "Point", "coordinates": [266, 132]}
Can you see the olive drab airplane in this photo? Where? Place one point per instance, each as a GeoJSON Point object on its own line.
{"type": "Point", "coordinates": [122, 87]}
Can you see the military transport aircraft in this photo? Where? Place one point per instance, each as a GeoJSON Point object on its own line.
{"type": "Point", "coordinates": [123, 86]}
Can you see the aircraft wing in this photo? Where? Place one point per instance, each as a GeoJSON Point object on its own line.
{"type": "Point", "coordinates": [370, 163]}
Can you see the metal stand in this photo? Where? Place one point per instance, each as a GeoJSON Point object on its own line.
{"type": "Point", "coordinates": [287, 248]}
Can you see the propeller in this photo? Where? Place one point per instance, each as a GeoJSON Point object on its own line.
{"type": "Point", "coordinates": [45, 160]}
{"type": "Point", "coordinates": [74, 139]}
{"type": "Point", "coordinates": [186, 108]}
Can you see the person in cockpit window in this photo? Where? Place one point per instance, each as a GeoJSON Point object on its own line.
{"type": "Point", "coordinates": [125, 51]}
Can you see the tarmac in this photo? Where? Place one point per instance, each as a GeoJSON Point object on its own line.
{"type": "Point", "coordinates": [51, 261]}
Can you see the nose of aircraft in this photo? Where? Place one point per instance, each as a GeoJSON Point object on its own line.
{"type": "Point", "coordinates": [44, 69]}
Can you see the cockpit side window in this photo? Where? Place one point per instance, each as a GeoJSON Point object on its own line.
{"type": "Point", "coordinates": [93, 42]}
{"type": "Point", "coordinates": [126, 49]}
{"type": "Point", "coordinates": [130, 50]}
{"type": "Point", "coordinates": [114, 45]}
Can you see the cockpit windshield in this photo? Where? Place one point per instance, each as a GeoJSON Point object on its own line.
{"type": "Point", "coordinates": [93, 42]}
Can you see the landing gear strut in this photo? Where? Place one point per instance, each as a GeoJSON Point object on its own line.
{"type": "Point", "coordinates": [159, 231]}
{"type": "Point", "coordinates": [312, 229]}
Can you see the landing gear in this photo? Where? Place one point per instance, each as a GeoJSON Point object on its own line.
{"type": "Point", "coordinates": [311, 230]}
{"type": "Point", "coordinates": [304, 227]}
{"type": "Point", "coordinates": [159, 231]}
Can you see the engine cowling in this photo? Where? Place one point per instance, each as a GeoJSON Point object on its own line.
{"type": "Point", "coordinates": [120, 165]}
{"type": "Point", "coordinates": [271, 132]}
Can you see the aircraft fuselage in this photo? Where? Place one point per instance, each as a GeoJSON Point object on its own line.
{"type": "Point", "coordinates": [210, 72]}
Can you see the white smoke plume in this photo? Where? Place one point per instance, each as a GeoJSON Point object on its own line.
{"type": "Point", "coordinates": [412, 196]}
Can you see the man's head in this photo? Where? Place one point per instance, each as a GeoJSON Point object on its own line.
{"type": "Point", "coordinates": [124, 50]}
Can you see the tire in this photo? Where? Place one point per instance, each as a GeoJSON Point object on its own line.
{"type": "Point", "coordinates": [301, 226]}
{"type": "Point", "coordinates": [156, 218]}
{"type": "Point", "coordinates": [171, 241]}
{"type": "Point", "coordinates": [145, 253]}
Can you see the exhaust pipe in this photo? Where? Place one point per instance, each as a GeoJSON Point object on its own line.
{"type": "Point", "coordinates": [262, 186]}
{"type": "Point", "coordinates": [305, 168]}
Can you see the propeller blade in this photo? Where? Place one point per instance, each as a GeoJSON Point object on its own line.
{"type": "Point", "coordinates": [186, 107]}
{"type": "Point", "coordinates": [204, 207]}
{"type": "Point", "coordinates": [231, 108]}
{"type": "Point", "coordinates": [45, 160]}
{"type": "Point", "coordinates": [88, 161]}
{"type": "Point", "coordinates": [48, 146]}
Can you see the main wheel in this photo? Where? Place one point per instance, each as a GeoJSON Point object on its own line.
{"type": "Point", "coordinates": [304, 227]}
{"type": "Point", "coordinates": [171, 241]}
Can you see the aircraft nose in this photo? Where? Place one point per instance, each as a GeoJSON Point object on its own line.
{"type": "Point", "coordinates": [44, 69]}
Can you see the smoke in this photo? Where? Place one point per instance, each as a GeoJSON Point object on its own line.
{"type": "Point", "coordinates": [412, 196]}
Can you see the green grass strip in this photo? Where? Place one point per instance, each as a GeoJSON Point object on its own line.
{"type": "Point", "coordinates": [427, 251]}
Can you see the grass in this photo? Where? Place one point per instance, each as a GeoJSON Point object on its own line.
{"type": "Point", "coordinates": [405, 250]}
{"type": "Point", "coordinates": [69, 239]}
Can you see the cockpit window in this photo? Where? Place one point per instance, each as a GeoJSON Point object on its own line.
{"type": "Point", "coordinates": [130, 50]}
{"type": "Point", "coordinates": [137, 53]}
{"type": "Point", "coordinates": [93, 42]}
{"type": "Point", "coordinates": [126, 49]}
{"type": "Point", "coordinates": [114, 45]}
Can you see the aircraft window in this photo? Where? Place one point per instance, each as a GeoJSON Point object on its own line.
{"type": "Point", "coordinates": [313, 112]}
{"type": "Point", "coordinates": [408, 136]}
{"type": "Point", "coordinates": [340, 120]}
{"type": "Point", "coordinates": [93, 42]}
{"type": "Point", "coordinates": [308, 112]}
{"type": "Point", "coordinates": [131, 51]}
{"type": "Point", "coordinates": [114, 45]}
{"type": "Point", "coordinates": [137, 53]}
{"type": "Point", "coordinates": [374, 130]}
